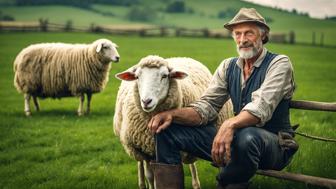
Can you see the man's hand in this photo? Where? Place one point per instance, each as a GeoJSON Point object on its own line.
{"type": "Point", "coordinates": [160, 121]}
{"type": "Point", "coordinates": [221, 147]}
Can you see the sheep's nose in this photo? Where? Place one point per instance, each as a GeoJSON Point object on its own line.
{"type": "Point", "coordinates": [147, 101]}
{"type": "Point", "coordinates": [117, 58]}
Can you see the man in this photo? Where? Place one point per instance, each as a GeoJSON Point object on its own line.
{"type": "Point", "coordinates": [260, 85]}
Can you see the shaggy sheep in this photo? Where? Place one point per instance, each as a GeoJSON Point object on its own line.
{"type": "Point", "coordinates": [59, 70]}
{"type": "Point", "coordinates": [161, 84]}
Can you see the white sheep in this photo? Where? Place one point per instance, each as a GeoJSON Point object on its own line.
{"type": "Point", "coordinates": [59, 70]}
{"type": "Point", "coordinates": [161, 84]}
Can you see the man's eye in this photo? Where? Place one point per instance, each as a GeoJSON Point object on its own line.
{"type": "Point", "coordinates": [249, 33]}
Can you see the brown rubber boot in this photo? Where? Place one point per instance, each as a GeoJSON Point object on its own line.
{"type": "Point", "coordinates": [168, 176]}
{"type": "Point", "coordinates": [234, 186]}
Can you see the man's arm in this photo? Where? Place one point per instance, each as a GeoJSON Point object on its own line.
{"type": "Point", "coordinates": [186, 116]}
{"type": "Point", "coordinates": [200, 112]}
{"type": "Point", "coordinates": [214, 97]}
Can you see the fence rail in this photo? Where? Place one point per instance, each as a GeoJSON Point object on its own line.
{"type": "Point", "coordinates": [44, 26]}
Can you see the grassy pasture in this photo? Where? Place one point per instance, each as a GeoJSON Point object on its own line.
{"type": "Point", "coordinates": [56, 149]}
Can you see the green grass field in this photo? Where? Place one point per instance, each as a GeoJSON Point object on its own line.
{"type": "Point", "coordinates": [57, 149]}
{"type": "Point", "coordinates": [204, 16]}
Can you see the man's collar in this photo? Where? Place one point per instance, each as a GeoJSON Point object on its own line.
{"type": "Point", "coordinates": [257, 63]}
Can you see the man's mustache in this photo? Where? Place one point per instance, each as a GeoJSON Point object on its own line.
{"type": "Point", "coordinates": [246, 45]}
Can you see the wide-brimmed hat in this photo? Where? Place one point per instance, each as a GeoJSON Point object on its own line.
{"type": "Point", "coordinates": [248, 15]}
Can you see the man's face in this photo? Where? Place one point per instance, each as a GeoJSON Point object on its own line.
{"type": "Point", "coordinates": [248, 39]}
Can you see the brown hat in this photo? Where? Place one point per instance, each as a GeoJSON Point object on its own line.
{"type": "Point", "coordinates": [248, 15]}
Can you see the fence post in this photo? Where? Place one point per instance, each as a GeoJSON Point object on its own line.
{"type": "Point", "coordinates": [43, 24]}
{"type": "Point", "coordinates": [178, 32]}
{"type": "Point", "coordinates": [163, 31]}
{"type": "Point", "coordinates": [291, 37]}
{"type": "Point", "coordinates": [206, 32]}
{"type": "Point", "coordinates": [68, 26]}
{"type": "Point", "coordinates": [313, 38]}
{"type": "Point", "coordinates": [142, 32]}
{"type": "Point", "coordinates": [321, 39]}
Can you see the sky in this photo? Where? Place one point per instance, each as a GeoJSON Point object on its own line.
{"type": "Point", "coordinates": [315, 8]}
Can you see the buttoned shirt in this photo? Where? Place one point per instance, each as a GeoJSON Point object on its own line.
{"type": "Point", "coordinates": [278, 85]}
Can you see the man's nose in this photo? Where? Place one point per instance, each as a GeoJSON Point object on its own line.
{"type": "Point", "coordinates": [243, 38]}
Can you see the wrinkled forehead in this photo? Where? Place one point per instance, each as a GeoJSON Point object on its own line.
{"type": "Point", "coordinates": [242, 27]}
{"type": "Point", "coordinates": [152, 71]}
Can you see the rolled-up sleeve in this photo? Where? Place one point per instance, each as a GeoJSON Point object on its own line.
{"type": "Point", "coordinates": [214, 97]}
{"type": "Point", "coordinates": [278, 85]}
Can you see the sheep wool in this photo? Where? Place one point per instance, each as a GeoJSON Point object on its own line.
{"type": "Point", "coordinates": [59, 70]}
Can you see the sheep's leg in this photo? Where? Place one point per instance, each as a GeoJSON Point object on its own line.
{"type": "Point", "coordinates": [36, 103]}
{"type": "Point", "coordinates": [88, 95]}
{"type": "Point", "coordinates": [149, 175]}
{"type": "Point", "coordinates": [81, 102]}
{"type": "Point", "coordinates": [194, 176]}
{"type": "Point", "coordinates": [141, 177]}
{"type": "Point", "coordinates": [26, 104]}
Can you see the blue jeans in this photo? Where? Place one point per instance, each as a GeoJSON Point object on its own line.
{"type": "Point", "coordinates": [252, 148]}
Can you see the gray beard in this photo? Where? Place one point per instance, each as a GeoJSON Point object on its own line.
{"type": "Point", "coordinates": [250, 53]}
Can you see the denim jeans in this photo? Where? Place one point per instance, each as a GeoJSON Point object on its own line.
{"type": "Point", "coordinates": [252, 148]}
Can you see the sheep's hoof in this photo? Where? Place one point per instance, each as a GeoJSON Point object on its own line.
{"type": "Point", "coordinates": [196, 187]}
{"type": "Point", "coordinates": [28, 114]}
{"type": "Point", "coordinates": [80, 113]}
{"type": "Point", "coordinates": [142, 186]}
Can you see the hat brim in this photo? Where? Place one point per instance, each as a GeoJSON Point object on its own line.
{"type": "Point", "coordinates": [229, 26]}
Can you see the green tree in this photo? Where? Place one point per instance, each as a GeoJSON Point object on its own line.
{"type": "Point", "coordinates": [140, 13]}
{"type": "Point", "coordinates": [176, 6]}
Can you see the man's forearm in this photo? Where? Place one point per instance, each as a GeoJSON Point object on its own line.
{"type": "Point", "coordinates": [243, 119]}
{"type": "Point", "coordinates": [186, 116]}
{"type": "Point", "coordinates": [189, 117]}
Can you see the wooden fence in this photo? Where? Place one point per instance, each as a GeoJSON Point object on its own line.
{"type": "Point", "coordinates": [307, 179]}
{"type": "Point", "coordinates": [144, 31]}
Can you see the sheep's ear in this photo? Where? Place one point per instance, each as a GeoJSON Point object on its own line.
{"type": "Point", "coordinates": [126, 76]}
{"type": "Point", "coordinates": [99, 47]}
{"type": "Point", "coordinates": [177, 74]}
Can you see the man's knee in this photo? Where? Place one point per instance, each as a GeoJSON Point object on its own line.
{"type": "Point", "coordinates": [248, 146]}
{"type": "Point", "coordinates": [167, 148]}
{"type": "Point", "coordinates": [168, 136]}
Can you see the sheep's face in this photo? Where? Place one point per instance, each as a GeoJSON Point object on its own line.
{"type": "Point", "coordinates": [108, 50]}
{"type": "Point", "coordinates": [153, 84]}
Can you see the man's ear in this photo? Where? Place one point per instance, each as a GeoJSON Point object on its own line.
{"type": "Point", "coordinates": [126, 76]}
{"type": "Point", "coordinates": [99, 47]}
{"type": "Point", "coordinates": [177, 74]}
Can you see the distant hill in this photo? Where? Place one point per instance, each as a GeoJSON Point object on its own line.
{"type": "Point", "coordinates": [196, 14]}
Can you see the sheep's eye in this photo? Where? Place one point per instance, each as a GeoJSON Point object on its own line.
{"type": "Point", "coordinates": [164, 76]}
{"type": "Point", "coordinates": [105, 47]}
